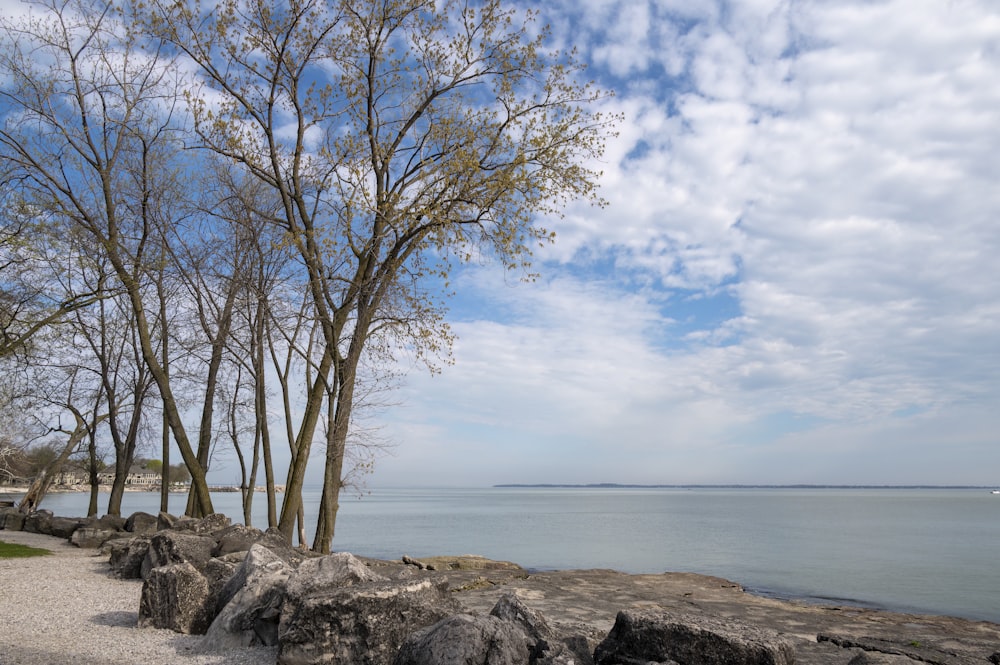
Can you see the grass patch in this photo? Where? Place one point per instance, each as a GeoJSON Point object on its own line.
{"type": "Point", "coordinates": [14, 551]}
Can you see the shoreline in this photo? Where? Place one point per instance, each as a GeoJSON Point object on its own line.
{"type": "Point", "coordinates": [80, 613]}
{"type": "Point", "coordinates": [789, 594]}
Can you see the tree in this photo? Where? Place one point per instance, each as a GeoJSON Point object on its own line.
{"type": "Point", "coordinates": [400, 136]}
{"type": "Point", "coordinates": [90, 137]}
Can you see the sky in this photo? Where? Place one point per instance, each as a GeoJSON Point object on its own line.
{"type": "Point", "coordinates": [795, 280]}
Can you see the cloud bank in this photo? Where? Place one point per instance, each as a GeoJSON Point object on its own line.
{"type": "Point", "coordinates": [795, 280]}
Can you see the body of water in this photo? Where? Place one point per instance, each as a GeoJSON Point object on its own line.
{"type": "Point", "coordinates": [922, 550]}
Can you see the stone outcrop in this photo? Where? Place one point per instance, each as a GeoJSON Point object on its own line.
{"type": "Point", "coordinates": [141, 523]}
{"type": "Point", "coordinates": [249, 604]}
{"type": "Point", "coordinates": [649, 636]}
{"type": "Point", "coordinates": [363, 623]}
{"type": "Point", "coordinates": [464, 639]}
{"type": "Point", "coordinates": [176, 597]}
{"type": "Point", "coordinates": [126, 556]}
{"type": "Point", "coordinates": [168, 547]}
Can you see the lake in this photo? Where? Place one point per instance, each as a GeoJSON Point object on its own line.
{"type": "Point", "coordinates": [921, 550]}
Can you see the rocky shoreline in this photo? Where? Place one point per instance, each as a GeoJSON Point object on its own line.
{"type": "Point", "coordinates": [242, 587]}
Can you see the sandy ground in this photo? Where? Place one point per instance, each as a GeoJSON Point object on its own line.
{"type": "Point", "coordinates": [66, 608]}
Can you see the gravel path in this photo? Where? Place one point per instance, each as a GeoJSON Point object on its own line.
{"type": "Point", "coordinates": [66, 608]}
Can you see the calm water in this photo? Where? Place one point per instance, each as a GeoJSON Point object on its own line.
{"type": "Point", "coordinates": [926, 550]}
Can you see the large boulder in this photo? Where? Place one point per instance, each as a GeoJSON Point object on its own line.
{"type": "Point", "coordinates": [547, 647]}
{"type": "Point", "coordinates": [649, 636]}
{"type": "Point", "coordinates": [13, 520]}
{"type": "Point", "coordinates": [142, 523]}
{"type": "Point", "coordinates": [175, 597]}
{"type": "Point", "coordinates": [327, 573]}
{"type": "Point", "coordinates": [464, 639]}
{"type": "Point", "coordinates": [126, 556]}
{"type": "Point", "coordinates": [249, 605]}
{"type": "Point", "coordinates": [236, 538]}
{"type": "Point", "coordinates": [362, 625]}
{"type": "Point", "coordinates": [205, 525]}
{"type": "Point", "coordinates": [63, 527]}
{"type": "Point", "coordinates": [90, 537]}
{"type": "Point", "coordinates": [39, 521]}
{"type": "Point", "coordinates": [169, 547]}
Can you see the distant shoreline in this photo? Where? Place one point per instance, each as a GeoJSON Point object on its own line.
{"type": "Point", "coordinates": [738, 486]}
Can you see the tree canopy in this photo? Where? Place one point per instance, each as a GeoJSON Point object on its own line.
{"type": "Point", "coordinates": [354, 151]}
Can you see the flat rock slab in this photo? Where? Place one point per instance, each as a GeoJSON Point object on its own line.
{"type": "Point", "coordinates": [586, 602]}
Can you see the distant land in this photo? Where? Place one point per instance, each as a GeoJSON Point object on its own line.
{"type": "Point", "coordinates": [738, 486]}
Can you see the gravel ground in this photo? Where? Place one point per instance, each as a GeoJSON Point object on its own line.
{"type": "Point", "coordinates": [66, 608]}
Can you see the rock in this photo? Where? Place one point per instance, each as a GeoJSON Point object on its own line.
{"type": "Point", "coordinates": [205, 525]}
{"type": "Point", "coordinates": [249, 605]}
{"type": "Point", "coordinates": [464, 639]}
{"type": "Point", "coordinates": [646, 636]}
{"type": "Point", "coordinates": [362, 625]}
{"type": "Point", "coordinates": [871, 658]}
{"type": "Point", "coordinates": [142, 523]}
{"type": "Point", "coordinates": [127, 556]}
{"type": "Point", "coordinates": [217, 573]}
{"type": "Point", "coordinates": [236, 538]}
{"type": "Point", "coordinates": [327, 573]}
{"type": "Point", "coordinates": [924, 651]}
{"type": "Point", "coordinates": [168, 547]}
{"type": "Point", "coordinates": [175, 597]}
{"type": "Point", "coordinates": [165, 521]}
{"type": "Point", "coordinates": [89, 537]}
{"type": "Point", "coordinates": [39, 521]}
{"type": "Point", "coordinates": [115, 522]}
{"type": "Point", "coordinates": [14, 521]}
{"type": "Point", "coordinates": [546, 647]}
{"type": "Point", "coordinates": [463, 562]}
{"type": "Point", "coordinates": [63, 527]}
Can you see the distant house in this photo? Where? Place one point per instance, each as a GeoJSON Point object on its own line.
{"type": "Point", "coordinates": [138, 476]}
{"type": "Point", "coordinates": [70, 478]}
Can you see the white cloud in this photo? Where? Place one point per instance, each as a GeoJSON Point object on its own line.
{"type": "Point", "coordinates": [831, 165]}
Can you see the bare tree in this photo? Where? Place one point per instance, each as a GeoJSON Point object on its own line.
{"type": "Point", "coordinates": [90, 139]}
{"type": "Point", "coordinates": [398, 135]}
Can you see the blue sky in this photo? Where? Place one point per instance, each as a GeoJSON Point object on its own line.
{"type": "Point", "coordinates": [795, 280]}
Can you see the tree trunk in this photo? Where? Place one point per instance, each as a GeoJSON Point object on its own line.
{"type": "Point", "coordinates": [92, 473]}
{"type": "Point", "coordinates": [303, 443]}
{"type": "Point", "coordinates": [40, 485]}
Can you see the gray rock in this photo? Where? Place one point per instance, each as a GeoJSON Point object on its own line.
{"type": "Point", "coordinates": [141, 523]}
{"type": "Point", "coordinates": [13, 521]}
{"type": "Point", "coordinates": [165, 521]}
{"type": "Point", "coordinates": [175, 597]}
{"type": "Point", "coordinates": [547, 648]}
{"type": "Point", "coordinates": [126, 556]}
{"type": "Point", "coordinates": [362, 625]}
{"type": "Point", "coordinates": [236, 538]}
{"type": "Point", "coordinates": [205, 525]}
{"type": "Point", "coordinates": [644, 636]}
{"type": "Point", "coordinates": [873, 658]}
{"type": "Point", "coordinates": [920, 650]}
{"type": "Point", "coordinates": [169, 547]}
{"type": "Point", "coordinates": [327, 573]}
{"type": "Point", "coordinates": [249, 605]}
{"type": "Point", "coordinates": [217, 572]}
{"type": "Point", "coordinates": [464, 639]}
{"type": "Point", "coordinates": [115, 522]}
{"type": "Point", "coordinates": [39, 521]}
{"type": "Point", "coordinates": [63, 527]}
{"type": "Point", "coordinates": [89, 537]}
